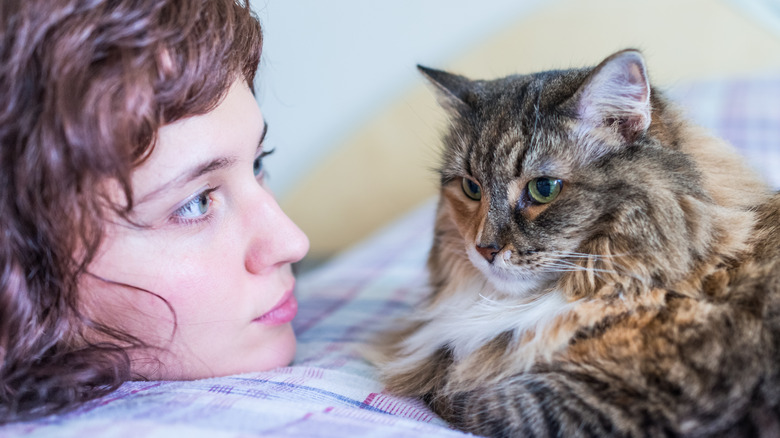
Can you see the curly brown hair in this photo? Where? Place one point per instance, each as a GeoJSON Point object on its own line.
{"type": "Point", "coordinates": [85, 85]}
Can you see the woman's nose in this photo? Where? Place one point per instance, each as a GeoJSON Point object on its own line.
{"type": "Point", "coordinates": [274, 240]}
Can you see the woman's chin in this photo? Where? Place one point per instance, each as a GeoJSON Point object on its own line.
{"type": "Point", "coordinates": [278, 351]}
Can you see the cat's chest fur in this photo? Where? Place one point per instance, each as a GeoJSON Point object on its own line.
{"type": "Point", "coordinates": [474, 314]}
{"type": "Point", "coordinates": [490, 334]}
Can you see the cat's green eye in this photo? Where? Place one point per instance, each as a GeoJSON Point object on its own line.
{"type": "Point", "coordinates": [544, 190]}
{"type": "Point", "coordinates": [471, 189]}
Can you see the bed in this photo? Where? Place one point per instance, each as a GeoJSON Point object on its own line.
{"type": "Point", "coordinates": [331, 390]}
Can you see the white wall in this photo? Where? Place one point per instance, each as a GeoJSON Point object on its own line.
{"type": "Point", "coordinates": [328, 66]}
{"type": "Point", "coordinates": [766, 12]}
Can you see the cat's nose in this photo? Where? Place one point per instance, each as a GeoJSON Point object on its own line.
{"type": "Point", "coordinates": [488, 252]}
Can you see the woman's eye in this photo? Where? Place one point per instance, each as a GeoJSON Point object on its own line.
{"type": "Point", "coordinates": [471, 189]}
{"type": "Point", "coordinates": [257, 165]}
{"type": "Point", "coordinates": [196, 208]}
{"type": "Point", "coordinates": [544, 190]}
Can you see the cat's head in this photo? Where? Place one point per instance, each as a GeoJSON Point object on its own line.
{"type": "Point", "coordinates": [575, 172]}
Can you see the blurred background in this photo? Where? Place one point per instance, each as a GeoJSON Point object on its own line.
{"type": "Point", "coordinates": [356, 129]}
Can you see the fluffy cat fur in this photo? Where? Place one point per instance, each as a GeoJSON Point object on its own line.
{"type": "Point", "coordinates": [641, 301]}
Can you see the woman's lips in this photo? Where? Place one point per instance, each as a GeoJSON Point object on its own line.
{"type": "Point", "coordinates": [284, 311]}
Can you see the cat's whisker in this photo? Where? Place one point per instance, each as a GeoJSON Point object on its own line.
{"type": "Point", "coordinates": [586, 255]}
{"type": "Point", "coordinates": [593, 258]}
{"type": "Point", "coordinates": [548, 266]}
{"type": "Point", "coordinates": [486, 301]}
{"type": "Point", "coordinates": [598, 271]}
{"type": "Point", "coordinates": [565, 266]}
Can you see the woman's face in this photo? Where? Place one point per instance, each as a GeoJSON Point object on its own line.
{"type": "Point", "coordinates": [217, 248]}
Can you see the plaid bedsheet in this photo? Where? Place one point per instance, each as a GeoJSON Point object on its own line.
{"type": "Point", "coordinates": [331, 390]}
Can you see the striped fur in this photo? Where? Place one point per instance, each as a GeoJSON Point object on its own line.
{"type": "Point", "coordinates": [643, 301]}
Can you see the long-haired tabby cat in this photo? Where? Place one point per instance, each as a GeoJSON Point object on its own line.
{"type": "Point", "coordinates": [600, 267]}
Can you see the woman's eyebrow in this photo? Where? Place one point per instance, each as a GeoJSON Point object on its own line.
{"type": "Point", "coordinates": [190, 174]}
{"type": "Point", "coordinates": [199, 170]}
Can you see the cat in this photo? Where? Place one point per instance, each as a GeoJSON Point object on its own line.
{"type": "Point", "coordinates": [600, 266]}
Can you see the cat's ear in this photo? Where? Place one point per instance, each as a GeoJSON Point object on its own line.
{"type": "Point", "coordinates": [617, 95]}
{"type": "Point", "coordinates": [454, 92]}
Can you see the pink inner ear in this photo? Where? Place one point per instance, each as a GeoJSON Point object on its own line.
{"type": "Point", "coordinates": [618, 91]}
{"type": "Point", "coordinates": [635, 73]}
{"type": "Point", "coordinates": [637, 77]}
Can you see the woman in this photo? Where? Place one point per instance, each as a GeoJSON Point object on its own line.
{"type": "Point", "coordinates": [138, 238]}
